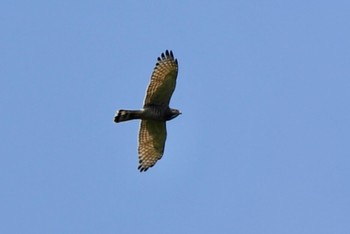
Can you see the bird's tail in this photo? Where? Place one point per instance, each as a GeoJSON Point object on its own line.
{"type": "Point", "coordinates": [125, 115]}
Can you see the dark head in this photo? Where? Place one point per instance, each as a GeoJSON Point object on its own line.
{"type": "Point", "coordinates": [172, 113]}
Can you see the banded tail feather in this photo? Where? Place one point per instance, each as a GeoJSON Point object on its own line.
{"type": "Point", "coordinates": [125, 115]}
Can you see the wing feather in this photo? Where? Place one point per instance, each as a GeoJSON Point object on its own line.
{"type": "Point", "coordinates": [152, 136]}
{"type": "Point", "coordinates": [163, 80]}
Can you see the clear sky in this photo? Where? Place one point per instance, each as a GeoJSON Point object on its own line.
{"type": "Point", "coordinates": [262, 146]}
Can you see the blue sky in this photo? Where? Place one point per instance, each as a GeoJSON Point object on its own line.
{"type": "Point", "coordinates": [262, 145]}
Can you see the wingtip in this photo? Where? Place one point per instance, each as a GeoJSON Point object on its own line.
{"type": "Point", "coordinates": [166, 54]}
{"type": "Point", "coordinates": [142, 169]}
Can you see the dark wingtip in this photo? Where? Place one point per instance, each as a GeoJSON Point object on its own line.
{"type": "Point", "coordinates": [142, 169]}
{"type": "Point", "coordinates": [166, 54]}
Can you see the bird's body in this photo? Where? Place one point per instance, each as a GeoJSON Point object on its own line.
{"type": "Point", "coordinates": [148, 113]}
{"type": "Point", "coordinates": [155, 112]}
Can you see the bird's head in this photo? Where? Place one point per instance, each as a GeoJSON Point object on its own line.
{"type": "Point", "coordinates": [173, 114]}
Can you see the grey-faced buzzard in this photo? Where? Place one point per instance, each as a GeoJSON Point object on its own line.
{"type": "Point", "coordinates": [155, 112]}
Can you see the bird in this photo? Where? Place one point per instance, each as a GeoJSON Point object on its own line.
{"type": "Point", "coordinates": [155, 112]}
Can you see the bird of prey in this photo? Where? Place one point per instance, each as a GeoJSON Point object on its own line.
{"type": "Point", "coordinates": [155, 112]}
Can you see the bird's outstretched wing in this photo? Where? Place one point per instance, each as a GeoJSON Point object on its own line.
{"type": "Point", "coordinates": [163, 80]}
{"type": "Point", "coordinates": [152, 136]}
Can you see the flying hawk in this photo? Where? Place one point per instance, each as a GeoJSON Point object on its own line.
{"type": "Point", "coordinates": [155, 112]}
